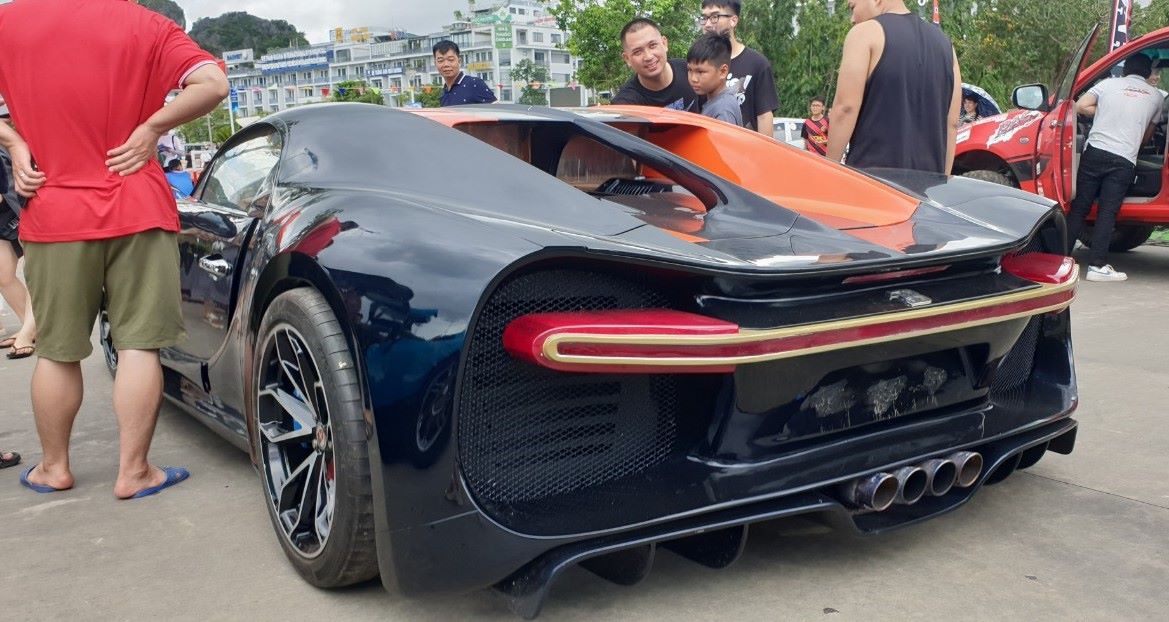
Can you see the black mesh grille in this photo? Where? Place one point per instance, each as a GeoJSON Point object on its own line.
{"type": "Point", "coordinates": [1010, 380]}
{"type": "Point", "coordinates": [527, 433]}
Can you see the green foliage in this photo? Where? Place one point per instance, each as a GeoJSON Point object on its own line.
{"type": "Point", "coordinates": [429, 96]}
{"type": "Point", "coordinates": [1000, 43]}
{"type": "Point", "coordinates": [1011, 43]}
{"type": "Point", "coordinates": [804, 59]}
{"type": "Point", "coordinates": [167, 8]}
{"type": "Point", "coordinates": [196, 131]}
{"type": "Point", "coordinates": [596, 33]}
{"type": "Point", "coordinates": [356, 91]}
{"type": "Point", "coordinates": [534, 78]}
{"type": "Point", "coordinates": [1146, 19]}
{"type": "Point", "coordinates": [238, 30]}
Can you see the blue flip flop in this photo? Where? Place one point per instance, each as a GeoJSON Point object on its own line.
{"type": "Point", "coordinates": [41, 488]}
{"type": "Point", "coordinates": [174, 475]}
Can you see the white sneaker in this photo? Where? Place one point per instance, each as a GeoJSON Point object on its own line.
{"type": "Point", "coordinates": [1105, 273]}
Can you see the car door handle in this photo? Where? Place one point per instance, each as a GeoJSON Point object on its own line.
{"type": "Point", "coordinates": [216, 265]}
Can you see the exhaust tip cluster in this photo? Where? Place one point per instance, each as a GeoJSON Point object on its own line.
{"type": "Point", "coordinates": [909, 484]}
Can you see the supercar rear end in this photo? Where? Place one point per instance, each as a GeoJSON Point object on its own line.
{"type": "Point", "coordinates": [606, 408]}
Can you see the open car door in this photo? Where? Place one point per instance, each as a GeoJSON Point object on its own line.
{"type": "Point", "coordinates": [1058, 148]}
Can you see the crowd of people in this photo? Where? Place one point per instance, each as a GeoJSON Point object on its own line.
{"type": "Point", "coordinates": [898, 96]}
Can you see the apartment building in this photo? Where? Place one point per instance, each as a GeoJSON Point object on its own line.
{"type": "Point", "coordinates": [492, 40]}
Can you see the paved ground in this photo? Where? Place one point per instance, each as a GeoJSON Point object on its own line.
{"type": "Point", "coordinates": [1081, 537]}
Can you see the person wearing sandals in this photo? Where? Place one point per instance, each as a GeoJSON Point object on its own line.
{"type": "Point", "coordinates": [100, 214]}
{"type": "Point", "coordinates": [21, 344]}
{"type": "Point", "coordinates": [9, 458]}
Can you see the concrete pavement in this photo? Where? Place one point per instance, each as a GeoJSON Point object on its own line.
{"type": "Point", "coordinates": [1079, 537]}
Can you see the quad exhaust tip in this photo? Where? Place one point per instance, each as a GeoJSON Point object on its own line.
{"type": "Point", "coordinates": [908, 484]}
{"type": "Point", "coordinates": [941, 473]}
{"type": "Point", "coordinates": [911, 484]}
{"type": "Point", "coordinates": [969, 465]}
{"type": "Point", "coordinates": [875, 492]}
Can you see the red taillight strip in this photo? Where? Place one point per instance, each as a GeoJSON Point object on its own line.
{"type": "Point", "coordinates": [662, 341]}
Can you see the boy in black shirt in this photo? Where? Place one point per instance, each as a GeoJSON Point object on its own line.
{"type": "Point", "coordinates": [657, 81]}
{"type": "Point", "coordinates": [751, 76]}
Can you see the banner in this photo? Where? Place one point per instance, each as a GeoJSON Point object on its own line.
{"type": "Point", "coordinates": [1121, 14]}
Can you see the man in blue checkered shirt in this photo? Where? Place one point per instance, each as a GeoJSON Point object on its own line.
{"type": "Point", "coordinates": [459, 88]}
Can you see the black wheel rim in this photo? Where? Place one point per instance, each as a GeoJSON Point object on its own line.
{"type": "Point", "coordinates": [296, 442]}
{"type": "Point", "coordinates": [432, 417]}
{"type": "Point", "coordinates": [107, 342]}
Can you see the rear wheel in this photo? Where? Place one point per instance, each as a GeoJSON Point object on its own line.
{"type": "Point", "coordinates": [310, 441]}
{"type": "Point", "coordinates": [1124, 237]}
{"type": "Point", "coordinates": [991, 176]}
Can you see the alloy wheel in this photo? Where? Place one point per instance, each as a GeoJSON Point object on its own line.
{"type": "Point", "coordinates": [296, 441]}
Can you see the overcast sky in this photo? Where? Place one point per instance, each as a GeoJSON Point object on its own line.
{"type": "Point", "coordinates": [315, 17]}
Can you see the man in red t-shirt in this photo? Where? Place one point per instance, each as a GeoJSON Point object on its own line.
{"type": "Point", "coordinates": [86, 83]}
{"type": "Point", "coordinates": [815, 130]}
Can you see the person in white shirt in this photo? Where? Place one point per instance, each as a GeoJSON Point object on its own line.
{"type": "Point", "coordinates": [1124, 110]}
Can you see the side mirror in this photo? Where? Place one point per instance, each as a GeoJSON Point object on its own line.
{"type": "Point", "coordinates": [1030, 97]}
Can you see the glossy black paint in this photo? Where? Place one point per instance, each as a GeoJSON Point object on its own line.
{"type": "Point", "coordinates": [406, 227]}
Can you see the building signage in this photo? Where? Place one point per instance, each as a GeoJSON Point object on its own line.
{"type": "Point", "coordinates": [235, 57]}
{"type": "Point", "coordinates": [295, 64]}
{"type": "Point", "coordinates": [485, 66]}
{"type": "Point", "coordinates": [503, 33]}
{"type": "Point", "coordinates": [385, 71]}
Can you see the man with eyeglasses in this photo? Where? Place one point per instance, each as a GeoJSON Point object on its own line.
{"type": "Point", "coordinates": [750, 78]}
{"type": "Point", "coordinates": [657, 81]}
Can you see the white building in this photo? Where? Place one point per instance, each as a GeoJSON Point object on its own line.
{"type": "Point", "coordinates": [492, 40]}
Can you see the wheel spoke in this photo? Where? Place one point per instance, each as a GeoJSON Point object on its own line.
{"type": "Point", "coordinates": [305, 517]}
{"type": "Point", "coordinates": [286, 356]}
{"type": "Point", "coordinates": [287, 496]}
{"type": "Point", "coordinates": [274, 433]}
{"type": "Point", "coordinates": [325, 501]}
{"type": "Point", "coordinates": [300, 412]}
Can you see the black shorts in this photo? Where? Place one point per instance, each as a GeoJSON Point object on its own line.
{"type": "Point", "coordinates": [9, 223]}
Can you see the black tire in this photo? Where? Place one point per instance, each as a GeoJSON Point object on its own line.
{"type": "Point", "coordinates": [1124, 237]}
{"type": "Point", "coordinates": [301, 345]}
{"type": "Point", "coordinates": [991, 176]}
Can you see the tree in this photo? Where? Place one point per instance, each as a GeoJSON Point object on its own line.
{"type": "Point", "coordinates": [238, 30]}
{"type": "Point", "coordinates": [197, 131]}
{"type": "Point", "coordinates": [356, 91]}
{"type": "Point", "coordinates": [167, 8]}
{"type": "Point", "coordinates": [534, 78]}
{"type": "Point", "coordinates": [595, 33]}
{"type": "Point", "coordinates": [1012, 43]}
{"type": "Point", "coordinates": [805, 56]}
{"type": "Point", "coordinates": [1146, 19]}
{"type": "Point", "coordinates": [429, 96]}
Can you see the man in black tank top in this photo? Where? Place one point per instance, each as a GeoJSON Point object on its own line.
{"type": "Point", "coordinates": [899, 92]}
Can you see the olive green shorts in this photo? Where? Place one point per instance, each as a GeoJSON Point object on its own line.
{"type": "Point", "coordinates": [139, 275]}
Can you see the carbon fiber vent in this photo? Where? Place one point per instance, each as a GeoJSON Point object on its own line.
{"type": "Point", "coordinates": [619, 185]}
{"type": "Point", "coordinates": [527, 433]}
{"type": "Point", "coordinates": [1010, 380]}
